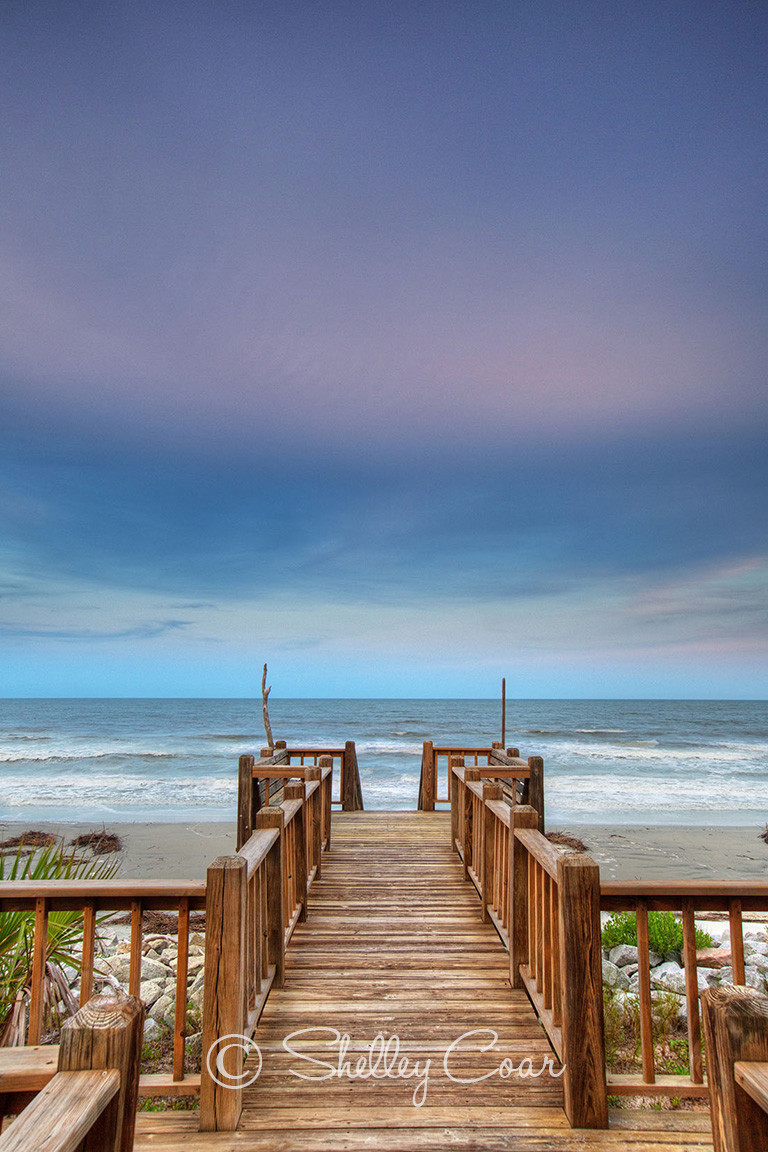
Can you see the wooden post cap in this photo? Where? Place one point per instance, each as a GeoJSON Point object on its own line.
{"type": "Point", "coordinates": [472, 774]}
{"type": "Point", "coordinates": [514, 753]}
{"type": "Point", "coordinates": [325, 761]}
{"type": "Point", "coordinates": [265, 753]}
{"type": "Point", "coordinates": [280, 744]}
{"type": "Point", "coordinates": [497, 744]}
{"type": "Point", "coordinates": [312, 773]}
{"type": "Point", "coordinates": [457, 761]}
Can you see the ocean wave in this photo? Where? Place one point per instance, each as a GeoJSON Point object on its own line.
{"type": "Point", "coordinates": [61, 757]}
{"type": "Point", "coordinates": [604, 794]}
{"type": "Point", "coordinates": [382, 747]}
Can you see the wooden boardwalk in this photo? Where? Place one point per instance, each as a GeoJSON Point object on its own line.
{"type": "Point", "coordinates": [395, 945]}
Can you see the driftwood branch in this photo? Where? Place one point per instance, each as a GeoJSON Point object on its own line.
{"type": "Point", "coordinates": [265, 708]}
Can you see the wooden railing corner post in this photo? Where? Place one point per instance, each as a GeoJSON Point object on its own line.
{"type": "Point", "coordinates": [581, 982]}
{"type": "Point", "coordinates": [491, 791]}
{"type": "Point", "coordinates": [297, 790]}
{"type": "Point", "coordinates": [246, 785]}
{"type": "Point", "coordinates": [275, 925]}
{"type": "Point", "coordinates": [107, 1032]}
{"type": "Point", "coordinates": [520, 816]}
{"type": "Point", "coordinates": [327, 762]}
{"type": "Point", "coordinates": [735, 1022]}
{"type": "Point", "coordinates": [224, 1002]}
{"type": "Point", "coordinates": [536, 787]}
{"type": "Point", "coordinates": [351, 793]}
{"type": "Point", "coordinates": [428, 781]}
{"type": "Point", "coordinates": [315, 829]}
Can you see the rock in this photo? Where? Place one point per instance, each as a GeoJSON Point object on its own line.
{"type": "Point", "coordinates": [613, 976]}
{"type": "Point", "coordinates": [152, 1029]}
{"type": "Point", "coordinates": [195, 964]}
{"type": "Point", "coordinates": [713, 957]}
{"type": "Point", "coordinates": [193, 1049]}
{"type": "Point", "coordinates": [197, 939]}
{"type": "Point", "coordinates": [756, 947]}
{"type": "Point", "coordinates": [163, 1010]}
{"type": "Point", "coordinates": [759, 961]}
{"type": "Point", "coordinates": [197, 985]}
{"type": "Point", "coordinates": [154, 969]}
{"type": "Point", "coordinates": [623, 954]}
{"type": "Point", "coordinates": [669, 977]}
{"type": "Point", "coordinates": [150, 991]}
{"type": "Point", "coordinates": [754, 979]}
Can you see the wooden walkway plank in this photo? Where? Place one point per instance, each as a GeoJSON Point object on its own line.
{"type": "Point", "coordinates": [395, 945]}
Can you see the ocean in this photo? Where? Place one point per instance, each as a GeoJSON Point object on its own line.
{"type": "Point", "coordinates": [623, 761]}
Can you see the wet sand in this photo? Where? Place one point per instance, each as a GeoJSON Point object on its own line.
{"type": "Point", "coordinates": [624, 852]}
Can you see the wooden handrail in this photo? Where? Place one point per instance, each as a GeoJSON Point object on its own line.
{"type": "Point", "coordinates": [493, 764]}
{"type": "Point", "coordinates": [545, 905]}
{"type": "Point", "coordinates": [736, 1036]}
{"type": "Point", "coordinates": [254, 852]}
{"type": "Point", "coordinates": [255, 900]}
{"type": "Point", "coordinates": [63, 1113]}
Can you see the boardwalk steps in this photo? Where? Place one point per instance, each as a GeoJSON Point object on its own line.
{"type": "Point", "coordinates": [394, 944]}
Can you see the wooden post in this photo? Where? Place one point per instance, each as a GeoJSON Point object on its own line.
{"type": "Point", "coordinates": [107, 1032]}
{"type": "Point", "coordinates": [327, 762]}
{"type": "Point", "coordinates": [245, 805]}
{"type": "Point", "coordinates": [427, 784]}
{"type": "Point", "coordinates": [491, 791]}
{"type": "Point", "coordinates": [455, 789]}
{"type": "Point", "coordinates": [315, 834]}
{"type": "Point", "coordinates": [735, 1029]}
{"type": "Point", "coordinates": [581, 983]}
{"type": "Point", "coordinates": [224, 1007]}
{"type": "Point", "coordinates": [503, 710]}
{"type": "Point", "coordinates": [536, 788]}
{"type": "Point", "coordinates": [351, 794]}
{"type": "Point", "coordinates": [471, 775]}
{"type": "Point", "coordinates": [275, 922]}
{"type": "Point", "coordinates": [296, 791]}
{"type": "Point", "coordinates": [521, 816]}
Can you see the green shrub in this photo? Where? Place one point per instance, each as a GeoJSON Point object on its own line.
{"type": "Point", "coordinates": [665, 932]}
{"type": "Point", "coordinates": [63, 941]}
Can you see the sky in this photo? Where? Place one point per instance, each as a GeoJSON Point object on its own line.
{"type": "Point", "coordinates": [402, 345]}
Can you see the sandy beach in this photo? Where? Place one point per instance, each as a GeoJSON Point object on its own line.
{"type": "Point", "coordinates": [624, 852]}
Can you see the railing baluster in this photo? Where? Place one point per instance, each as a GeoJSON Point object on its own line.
{"type": "Point", "coordinates": [737, 942]}
{"type": "Point", "coordinates": [39, 956]}
{"type": "Point", "coordinates": [692, 993]}
{"type": "Point", "coordinates": [134, 972]}
{"type": "Point", "coordinates": [89, 949]}
{"type": "Point", "coordinates": [180, 1012]}
{"type": "Point", "coordinates": [644, 976]}
{"type": "Point", "coordinates": [547, 938]}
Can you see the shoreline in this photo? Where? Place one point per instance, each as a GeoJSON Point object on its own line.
{"type": "Point", "coordinates": [183, 851]}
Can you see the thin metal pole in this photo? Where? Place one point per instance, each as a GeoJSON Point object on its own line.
{"type": "Point", "coordinates": [503, 711]}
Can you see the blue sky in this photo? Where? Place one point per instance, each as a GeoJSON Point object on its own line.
{"type": "Point", "coordinates": [404, 346]}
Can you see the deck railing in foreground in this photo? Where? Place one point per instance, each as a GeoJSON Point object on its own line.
{"type": "Point", "coordinates": [546, 902]}
{"type": "Point", "coordinates": [736, 1031]}
{"type": "Point", "coordinates": [546, 907]}
{"type": "Point", "coordinates": [686, 898]}
{"type": "Point", "coordinates": [252, 902]}
{"type": "Point", "coordinates": [94, 1092]}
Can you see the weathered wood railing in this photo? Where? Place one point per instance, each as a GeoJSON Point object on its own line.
{"type": "Point", "coordinates": [521, 780]}
{"type": "Point", "coordinates": [94, 1091]}
{"type": "Point", "coordinates": [264, 780]}
{"type": "Point", "coordinates": [255, 899]}
{"type": "Point", "coordinates": [545, 904]}
{"type": "Point", "coordinates": [94, 897]}
{"type": "Point", "coordinates": [686, 898]}
{"type": "Point", "coordinates": [736, 1033]}
{"type": "Point", "coordinates": [252, 902]}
